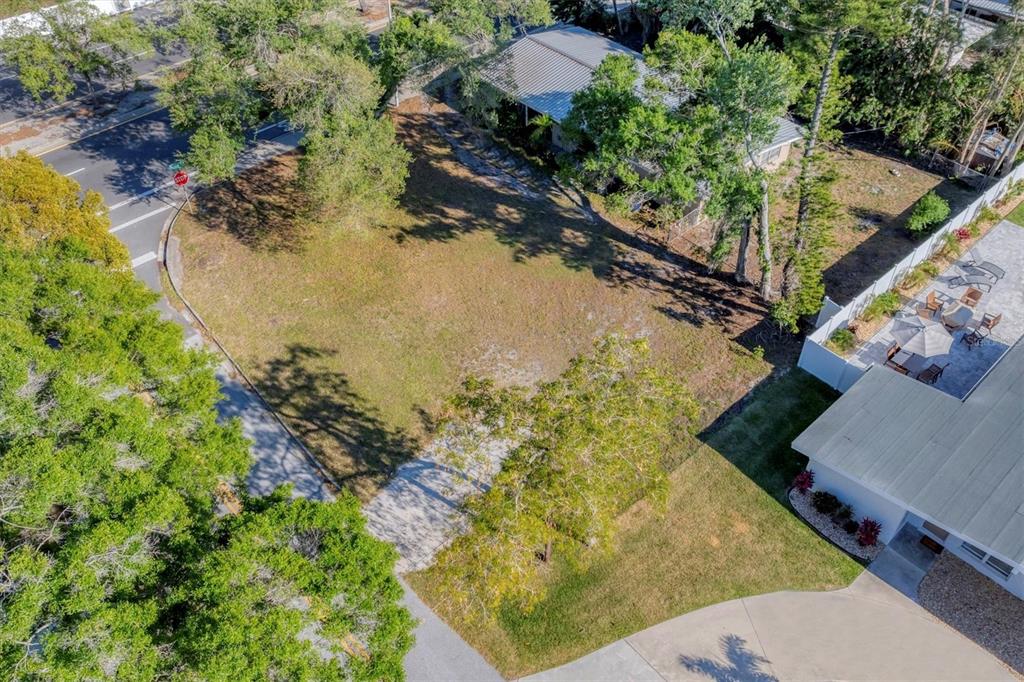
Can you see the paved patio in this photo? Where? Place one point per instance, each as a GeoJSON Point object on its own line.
{"type": "Point", "coordinates": [1003, 246]}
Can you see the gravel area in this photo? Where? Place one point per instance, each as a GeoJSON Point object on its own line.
{"type": "Point", "coordinates": [824, 525]}
{"type": "Point", "coordinates": [977, 607]}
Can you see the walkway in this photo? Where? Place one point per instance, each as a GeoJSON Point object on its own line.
{"type": "Point", "coordinates": [867, 631]}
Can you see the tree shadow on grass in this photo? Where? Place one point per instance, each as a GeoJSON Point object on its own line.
{"type": "Point", "coordinates": [262, 208]}
{"type": "Point", "coordinates": [740, 665]}
{"type": "Point", "coordinates": [540, 219]}
{"type": "Point", "coordinates": [338, 424]}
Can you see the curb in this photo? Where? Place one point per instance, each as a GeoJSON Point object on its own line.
{"type": "Point", "coordinates": [104, 127]}
{"type": "Point", "coordinates": [193, 317]}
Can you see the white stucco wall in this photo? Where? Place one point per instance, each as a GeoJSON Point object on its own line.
{"type": "Point", "coordinates": [863, 501]}
{"type": "Point", "coordinates": [953, 543]}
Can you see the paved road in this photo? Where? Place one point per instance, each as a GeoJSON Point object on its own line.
{"type": "Point", "coordinates": [128, 166]}
{"type": "Point", "coordinates": [867, 631]}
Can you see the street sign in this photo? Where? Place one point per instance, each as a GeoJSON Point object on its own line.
{"type": "Point", "coordinates": [176, 165]}
{"type": "Point", "coordinates": [180, 178]}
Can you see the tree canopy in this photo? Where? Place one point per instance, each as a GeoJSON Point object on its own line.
{"type": "Point", "coordinates": [582, 448]}
{"type": "Point", "coordinates": [115, 561]}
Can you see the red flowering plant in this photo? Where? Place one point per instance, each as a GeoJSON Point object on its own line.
{"type": "Point", "coordinates": [867, 533]}
{"type": "Point", "coordinates": [963, 234]}
{"type": "Point", "coordinates": [804, 481]}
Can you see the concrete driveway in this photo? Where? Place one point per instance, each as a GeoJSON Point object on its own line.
{"type": "Point", "coordinates": [867, 631]}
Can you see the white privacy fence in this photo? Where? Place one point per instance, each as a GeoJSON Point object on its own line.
{"type": "Point", "coordinates": [838, 372]}
{"type": "Point", "coordinates": [101, 6]}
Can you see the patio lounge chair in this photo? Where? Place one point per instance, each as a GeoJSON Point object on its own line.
{"type": "Point", "coordinates": [971, 297]}
{"type": "Point", "coordinates": [932, 374]}
{"type": "Point", "coordinates": [979, 281]}
{"type": "Point", "coordinates": [985, 266]}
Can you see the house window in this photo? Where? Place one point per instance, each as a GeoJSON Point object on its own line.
{"type": "Point", "coordinates": [1001, 567]}
{"type": "Point", "coordinates": [936, 531]}
{"type": "Point", "coordinates": [977, 552]}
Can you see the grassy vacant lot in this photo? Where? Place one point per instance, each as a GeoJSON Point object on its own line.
{"type": "Point", "coordinates": [724, 535]}
{"type": "Point", "coordinates": [356, 334]}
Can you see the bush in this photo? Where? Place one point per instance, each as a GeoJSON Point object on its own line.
{"type": "Point", "coordinates": [851, 527]}
{"type": "Point", "coordinates": [842, 515]}
{"type": "Point", "coordinates": [987, 215]}
{"type": "Point", "coordinates": [843, 340]}
{"type": "Point", "coordinates": [920, 274]}
{"type": "Point", "coordinates": [804, 481]}
{"type": "Point", "coordinates": [963, 234]}
{"type": "Point", "coordinates": [950, 245]}
{"type": "Point", "coordinates": [883, 304]}
{"type": "Point", "coordinates": [825, 503]}
{"type": "Point", "coordinates": [867, 532]}
{"type": "Point", "coordinates": [929, 211]}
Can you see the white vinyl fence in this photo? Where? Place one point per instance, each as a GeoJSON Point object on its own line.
{"type": "Point", "coordinates": [101, 6]}
{"type": "Point", "coordinates": [838, 372]}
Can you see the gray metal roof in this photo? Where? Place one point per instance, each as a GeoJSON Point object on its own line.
{"type": "Point", "coordinates": [544, 69]}
{"type": "Point", "coordinates": [1000, 7]}
{"type": "Point", "coordinates": [957, 463]}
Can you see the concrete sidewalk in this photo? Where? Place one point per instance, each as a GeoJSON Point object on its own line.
{"type": "Point", "coordinates": [867, 631]}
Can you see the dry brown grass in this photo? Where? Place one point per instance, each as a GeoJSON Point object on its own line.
{"type": "Point", "coordinates": [355, 335]}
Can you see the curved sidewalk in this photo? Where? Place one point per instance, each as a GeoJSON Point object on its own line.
{"type": "Point", "coordinates": [867, 631]}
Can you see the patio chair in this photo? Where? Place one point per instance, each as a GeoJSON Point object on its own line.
{"type": "Point", "coordinates": [973, 281]}
{"type": "Point", "coordinates": [981, 332]}
{"type": "Point", "coordinates": [932, 374]}
{"type": "Point", "coordinates": [971, 297]}
{"type": "Point", "coordinates": [889, 362]}
{"type": "Point", "coordinates": [932, 305]}
{"type": "Point", "coordinates": [985, 266]}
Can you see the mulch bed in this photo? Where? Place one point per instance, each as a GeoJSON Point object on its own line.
{"type": "Point", "coordinates": [836, 535]}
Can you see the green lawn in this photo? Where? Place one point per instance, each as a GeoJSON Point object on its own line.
{"type": "Point", "coordinates": [724, 535]}
{"type": "Point", "coordinates": [1017, 215]}
{"type": "Point", "coordinates": [357, 334]}
{"type": "Point", "coordinates": [10, 8]}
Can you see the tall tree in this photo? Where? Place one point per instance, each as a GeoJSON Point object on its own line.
{"type": "Point", "coordinates": [39, 205]}
{"type": "Point", "coordinates": [487, 20]}
{"type": "Point", "coordinates": [582, 448]}
{"type": "Point", "coordinates": [72, 41]}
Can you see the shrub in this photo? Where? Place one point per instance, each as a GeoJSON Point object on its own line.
{"type": "Point", "coordinates": [987, 215]}
{"type": "Point", "coordinates": [843, 340]}
{"type": "Point", "coordinates": [804, 481]}
{"type": "Point", "coordinates": [963, 234]}
{"type": "Point", "coordinates": [929, 211]}
{"type": "Point", "coordinates": [883, 304]}
{"type": "Point", "coordinates": [950, 245]}
{"type": "Point", "coordinates": [920, 274]}
{"type": "Point", "coordinates": [851, 527]}
{"type": "Point", "coordinates": [842, 515]}
{"type": "Point", "coordinates": [867, 532]}
{"type": "Point", "coordinates": [825, 503]}
{"type": "Point", "coordinates": [974, 229]}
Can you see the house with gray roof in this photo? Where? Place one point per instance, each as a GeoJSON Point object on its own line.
{"type": "Point", "coordinates": [545, 68]}
{"type": "Point", "coordinates": [901, 452]}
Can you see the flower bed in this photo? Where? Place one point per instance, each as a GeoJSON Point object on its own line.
{"type": "Point", "coordinates": [823, 524]}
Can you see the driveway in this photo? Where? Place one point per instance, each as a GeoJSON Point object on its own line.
{"type": "Point", "coordinates": [867, 631]}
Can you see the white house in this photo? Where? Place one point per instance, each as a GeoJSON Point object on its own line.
{"type": "Point", "coordinates": [900, 451]}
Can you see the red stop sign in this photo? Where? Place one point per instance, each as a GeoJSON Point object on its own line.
{"type": "Point", "coordinates": [180, 178]}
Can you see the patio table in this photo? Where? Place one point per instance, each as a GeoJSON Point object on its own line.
{"type": "Point", "coordinates": [912, 362]}
{"type": "Point", "coordinates": [957, 316]}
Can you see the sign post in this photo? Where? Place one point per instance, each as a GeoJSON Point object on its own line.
{"type": "Point", "coordinates": [181, 179]}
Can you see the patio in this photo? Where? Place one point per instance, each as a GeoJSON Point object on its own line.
{"type": "Point", "coordinates": [964, 364]}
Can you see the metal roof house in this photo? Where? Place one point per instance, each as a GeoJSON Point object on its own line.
{"type": "Point", "coordinates": [903, 452]}
{"type": "Point", "coordinates": [544, 69]}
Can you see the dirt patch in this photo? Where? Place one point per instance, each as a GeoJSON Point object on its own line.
{"type": "Point", "coordinates": [972, 604]}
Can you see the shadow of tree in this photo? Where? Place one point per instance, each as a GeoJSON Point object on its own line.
{"type": "Point", "coordinates": [359, 448]}
{"type": "Point", "coordinates": [741, 664]}
{"type": "Point", "coordinates": [261, 208]}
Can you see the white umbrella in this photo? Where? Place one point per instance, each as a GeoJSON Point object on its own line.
{"type": "Point", "coordinates": [921, 337]}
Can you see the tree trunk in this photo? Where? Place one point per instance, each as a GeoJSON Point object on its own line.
{"type": "Point", "coordinates": [547, 552]}
{"type": "Point", "coordinates": [741, 257]}
{"type": "Point", "coordinates": [618, 17]}
{"type": "Point", "coordinates": [764, 249]}
{"type": "Point", "coordinates": [790, 276]}
{"type": "Point", "coordinates": [1009, 155]}
{"type": "Point", "coordinates": [984, 114]}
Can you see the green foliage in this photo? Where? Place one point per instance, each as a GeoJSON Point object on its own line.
{"type": "Point", "coordinates": [114, 560]}
{"type": "Point", "coordinates": [411, 41]}
{"type": "Point", "coordinates": [38, 204]}
{"type": "Point", "coordinates": [920, 274]}
{"type": "Point", "coordinates": [951, 246]}
{"type": "Point", "coordinates": [987, 214]}
{"type": "Point", "coordinates": [929, 211]}
{"type": "Point", "coordinates": [491, 19]}
{"type": "Point", "coordinates": [73, 41]}
{"type": "Point", "coordinates": [296, 589]}
{"type": "Point", "coordinates": [842, 340]}
{"type": "Point", "coordinates": [581, 448]}
{"type": "Point", "coordinates": [886, 303]}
